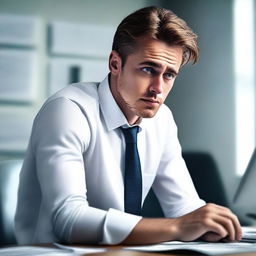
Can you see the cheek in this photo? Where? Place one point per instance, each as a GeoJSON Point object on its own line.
{"type": "Point", "coordinates": [133, 85]}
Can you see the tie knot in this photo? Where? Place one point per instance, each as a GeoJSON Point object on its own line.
{"type": "Point", "coordinates": [130, 134]}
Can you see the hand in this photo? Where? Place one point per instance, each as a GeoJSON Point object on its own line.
{"type": "Point", "coordinates": [210, 222]}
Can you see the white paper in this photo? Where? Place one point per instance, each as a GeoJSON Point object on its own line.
{"type": "Point", "coordinates": [81, 250]}
{"type": "Point", "coordinates": [91, 70]}
{"type": "Point", "coordinates": [81, 39]}
{"type": "Point", "coordinates": [202, 247]}
{"type": "Point", "coordinates": [249, 233]}
{"type": "Point", "coordinates": [18, 72]}
{"type": "Point", "coordinates": [34, 251]}
{"type": "Point", "coordinates": [18, 30]}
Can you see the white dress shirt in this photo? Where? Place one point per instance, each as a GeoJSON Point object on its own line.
{"type": "Point", "coordinates": [71, 183]}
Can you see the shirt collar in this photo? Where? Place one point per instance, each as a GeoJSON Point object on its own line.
{"type": "Point", "coordinates": [113, 115]}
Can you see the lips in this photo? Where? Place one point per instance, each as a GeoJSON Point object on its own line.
{"type": "Point", "coordinates": [152, 101]}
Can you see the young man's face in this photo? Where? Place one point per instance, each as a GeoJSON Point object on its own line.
{"type": "Point", "coordinates": [142, 85]}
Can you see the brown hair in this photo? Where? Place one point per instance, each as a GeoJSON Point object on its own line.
{"type": "Point", "coordinates": [156, 23]}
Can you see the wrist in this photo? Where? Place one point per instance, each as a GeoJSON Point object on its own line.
{"type": "Point", "coordinates": [172, 229]}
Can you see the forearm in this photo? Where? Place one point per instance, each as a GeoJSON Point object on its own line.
{"type": "Point", "coordinates": [149, 231]}
{"type": "Point", "coordinates": [210, 222]}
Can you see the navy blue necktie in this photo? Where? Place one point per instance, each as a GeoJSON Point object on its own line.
{"type": "Point", "coordinates": [132, 176]}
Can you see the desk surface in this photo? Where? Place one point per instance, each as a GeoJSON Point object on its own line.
{"type": "Point", "coordinates": [119, 251]}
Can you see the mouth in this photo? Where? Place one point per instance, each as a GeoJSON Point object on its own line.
{"type": "Point", "coordinates": [150, 101]}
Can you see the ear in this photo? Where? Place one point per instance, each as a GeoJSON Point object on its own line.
{"type": "Point", "coordinates": [115, 63]}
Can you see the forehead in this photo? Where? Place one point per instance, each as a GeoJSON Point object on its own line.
{"type": "Point", "coordinates": [157, 51]}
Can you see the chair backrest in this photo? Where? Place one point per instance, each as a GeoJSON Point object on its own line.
{"type": "Point", "coordinates": [9, 179]}
{"type": "Point", "coordinates": [206, 177]}
{"type": "Point", "coordinates": [151, 207]}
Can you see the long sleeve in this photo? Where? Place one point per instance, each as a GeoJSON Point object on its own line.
{"type": "Point", "coordinates": [60, 139]}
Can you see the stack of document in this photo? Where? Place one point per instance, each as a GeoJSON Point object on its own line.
{"type": "Point", "coordinates": [249, 234]}
{"type": "Point", "coordinates": [200, 247]}
{"type": "Point", "coordinates": [248, 244]}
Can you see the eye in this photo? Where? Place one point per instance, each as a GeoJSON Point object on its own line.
{"type": "Point", "coordinates": [169, 76]}
{"type": "Point", "coordinates": [148, 70]}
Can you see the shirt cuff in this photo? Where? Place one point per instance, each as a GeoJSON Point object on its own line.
{"type": "Point", "coordinates": [118, 225]}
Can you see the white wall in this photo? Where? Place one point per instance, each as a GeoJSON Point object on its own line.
{"type": "Point", "coordinates": [100, 12]}
{"type": "Point", "coordinates": [97, 11]}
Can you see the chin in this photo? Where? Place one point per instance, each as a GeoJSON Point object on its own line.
{"type": "Point", "coordinates": [147, 114]}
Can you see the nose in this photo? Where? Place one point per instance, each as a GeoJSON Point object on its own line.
{"type": "Point", "coordinates": [156, 86]}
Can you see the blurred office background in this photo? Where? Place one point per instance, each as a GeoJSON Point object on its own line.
{"type": "Point", "coordinates": [46, 44]}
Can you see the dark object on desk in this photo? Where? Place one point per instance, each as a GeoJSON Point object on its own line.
{"type": "Point", "coordinates": [9, 178]}
{"type": "Point", "coordinates": [206, 178]}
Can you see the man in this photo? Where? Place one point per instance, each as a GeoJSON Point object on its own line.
{"type": "Point", "coordinates": [75, 185]}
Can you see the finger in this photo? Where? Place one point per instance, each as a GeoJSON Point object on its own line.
{"type": "Point", "coordinates": [237, 227]}
{"type": "Point", "coordinates": [211, 226]}
{"type": "Point", "coordinates": [225, 212]}
{"type": "Point", "coordinates": [227, 223]}
{"type": "Point", "coordinates": [236, 224]}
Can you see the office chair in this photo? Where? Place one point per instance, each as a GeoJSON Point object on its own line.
{"type": "Point", "coordinates": [9, 179]}
{"type": "Point", "coordinates": [206, 178]}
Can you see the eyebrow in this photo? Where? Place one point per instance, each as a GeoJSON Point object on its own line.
{"type": "Point", "coordinates": [156, 65]}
